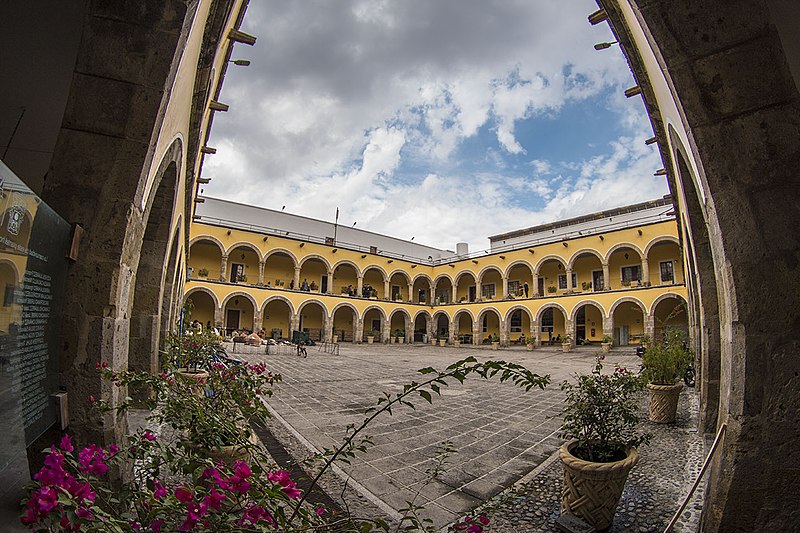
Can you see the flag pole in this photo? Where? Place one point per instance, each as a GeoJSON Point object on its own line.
{"type": "Point", "coordinates": [335, 225]}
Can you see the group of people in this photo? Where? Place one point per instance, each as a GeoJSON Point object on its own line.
{"type": "Point", "coordinates": [305, 285]}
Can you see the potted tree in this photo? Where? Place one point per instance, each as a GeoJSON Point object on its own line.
{"type": "Point", "coordinates": [600, 423]}
{"type": "Point", "coordinates": [495, 341]}
{"type": "Point", "coordinates": [551, 289]}
{"type": "Point", "coordinates": [371, 335]}
{"type": "Point", "coordinates": [608, 341]}
{"type": "Point", "coordinates": [203, 272]}
{"type": "Point", "coordinates": [442, 340]}
{"type": "Point", "coordinates": [190, 355]}
{"type": "Point", "coordinates": [530, 343]}
{"type": "Point", "coordinates": [397, 334]}
{"type": "Point", "coordinates": [566, 344]}
{"type": "Point", "coordinates": [664, 365]}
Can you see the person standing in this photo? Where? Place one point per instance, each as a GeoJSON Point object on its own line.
{"type": "Point", "coordinates": [525, 287]}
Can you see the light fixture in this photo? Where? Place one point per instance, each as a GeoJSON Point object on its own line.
{"type": "Point", "coordinates": [626, 255]}
{"type": "Point", "coordinates": [602, 238]}
{"type": "Point", "coordinates": [302, 244]}
{"type": "Point", "coordinates": [531, 250]}
{"type": "Point", "coordinates": [240, 62]}
{"type": "Point", "coordinates": [660, 172]}
{"type": "Point", "coordinates": [242, 256]}
{"type": "Point", "coordinates": [265, 239]}
{"type": "Point", "coordinates": [603, 46]}
{"type": "Point", "coordinates": [474, 261]}
{"type": "Point", "coordinates": [229, 232]}
{"type": "Point", "coordinates": [413, 266]}
{"type": "Point", "coordinates": [334, 250]}
{"type": "Point", "coordinates": [390, 261]}
{"type": "Point", "coordinates": [241, 37]}
{"type": "Point", "coordinates": [633, 91]}
{"type": "Point", "coordinates": [452, 265]}
{"type": "Point", "coordinates": [650, 141]}
{"type": "Point", "coordinates": [218, 106]}
{"type": "Point", "coordinates": [363, 256]}
{"type": "Point", "coordinates": [502, 257]}
{"type": "Point", "coordinates": [640, 232]}
{"type": "Point", "coordinates": [208, 150]}
{"type": "Point", "coordinates": [565, 244]}
{"type": "Point", "coordinates": [203, 180]}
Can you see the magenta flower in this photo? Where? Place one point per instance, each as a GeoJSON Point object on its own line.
{"type": "Point", "coordinates": [159, 491]}
{"type": "Point", "coordinates": [483, 519]}
{"type": "Point", "coordinates": [183, 495]}
{"type": "Point", "coordinates": [319, 511]}
{"type": "Point", "coordinates": [195, 511]}
{"type": "Point", "coordinates": [281, 477]}
{"type": "Point", "coordinates": [156, 525]}
{"type": "Point", "coordinates": [474, 528]}
{"type": "Point", "coordinates": [292, 492]}
{"type": "Point", "coordinates": [254, 514]}
{"type": "Point", "coordinates": [213, 499]}
{"type": "Point", "coordinates": [92, 460]}
{"type": "Point", "coordinates": [66, 444]}
{"type": "Point", "coordinates": [149, 436]}
{"type": "Point", "coordinates": [45, 499]}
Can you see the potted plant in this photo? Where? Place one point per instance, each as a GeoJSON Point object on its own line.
{"type": "Point", "coordinates": [495, 341]}
{"type": "Point", "coordinates": [566, 344]}
{"type": "Point", "coordinates": [600, 425]}
{"type": "Point", "coordinates": [398, 333]}
{"type": "Point", "coordinates": [203, 272]}
{"type": "Point", "coordinates": [442, 340]}
{"type": "Point", "coordinates": [190, 355]}
{"type": "Point", "coordinates": [371, 334]}
{"type": "Point", "coordinates": [607, 343]}
{"type": "Point", "coordinates": [335, 338]}
{"type": "Point", "coordinates": [586, 285]}
{"type": "Point", "coordinates": [664, 365]}
{"type": "Point", "coordinates": [457, 341]}
{"type": "Point", "coordinates": [626, 283]}
{"type": "Point", "coordinates": [551, 289]}
{"type": "Point", "coordinates": [530, 343]}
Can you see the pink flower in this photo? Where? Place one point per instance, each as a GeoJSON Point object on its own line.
{"type": "Point", "coordinates": [92, 460]}
{"type": "Point", "coordinates": [135, 525]}
{"type": "Point", "coordinates": [183, 495]}
{"type": "Point", "coordinates": [254, 514]}
{"type": "Point", "coordinates": [45, 499]}
{"type": "Point", "coordinates": [474, 528]}
{"type": "Point", "coordinates": [319, 511]}
{"type": "Point", "coordinates": [237, 481]}
{"type": "Point", "coordinates": [156, 525]}
{"type": "Point", "coordinates": [292, 492]}
{"type": "Point", "coordinates": [602, 357]}
{"type": "Point", "coordinates": [149, 436]}
{"type": "Point", "coordinates": [483, 519]}
{"type": "Point", "coordinates": [195, 511]}
{"type": "Point", "coordinates": [91, 399]}
{"type": "Point", "coordinates": [113, 449]}
{"type": "Point", "coordinates": [159, 491]}
{"type": "Point", "coordinates": [66, 444]}
{"type": "Point", "coordinates": [281, 477]}
{"type": "Point", "coordinates": [214, 499]}
{"type": "Point", "coordinates": [84, 513]}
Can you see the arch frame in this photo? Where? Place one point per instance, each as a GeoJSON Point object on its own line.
{"type": "Point", "coordinates": [549, 257]}
{"type": "Point", "coordinates": [285, 251]}
{"type": "Point", "coordinates": [236, 294]}
{"type": "Point", "coordinates": [591, 251]}
{"type": "Point", "coordinates": [659, 239]}
{"type": "Point", "coordinates": [519, 307]}
{"type": "Point", "coordinates": [550, 305]}
{"type": "Point", "coordinates": [343, 305]}
{"type": "Point", "coordinates": [204, 290]}
{"type": "Point", "coordinates": [209, 238]}
{"type": "Point", "coordinates": [666, 296]}
{"type": "Point", "coordinates": [628, 299]}
{"type": "Point", "coordinates": [620, 246]}
{"type": "Point", "coordinates": [346, 262]}
{"type": "Point", "coordinates": [313, 301]}
{"type": "Point", "coordinates": [516, 263]}
{"type": "Point", "coordinates": [369, 308]}
{"type": "Point", "coordinates": [581, 303]}
{"type": "Point", "coordinates": [278, 298]}
{"type": "Point", "coordinates": [244, 244]}
{"type": "Point", "coordinates": [319, 257]}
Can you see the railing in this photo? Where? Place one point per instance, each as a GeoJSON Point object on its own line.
{"type": "Point", "coordinates": [329, 347]}
{"type": "Point", "coordinates": [254, 228]}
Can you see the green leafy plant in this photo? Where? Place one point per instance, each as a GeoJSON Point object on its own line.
{"type": "Point", "coordinates": [551, 289]}
{"type": "Point", "coordinates": [601, 413]}
{"type": "Point", "coordinates": [495, 337]}
{"type": "Point", "coordinates": [566, 339]}
{"type": "Point", "coordinates": [586, 285]}
{"type": "Point", "coordinates": [374, 333]}
{"type": "Point", "coordinates": [399, 333]}
{"type": "Point", "coordinates": [665, 362]}
{"type": "Point", "coordinates": [203, 272]}
{"type": "Point", "coordinates": [608, 339]}
{"type": "Point", "coordinates": [191, 351]}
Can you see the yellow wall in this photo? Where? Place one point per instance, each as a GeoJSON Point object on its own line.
{"type": "Point", "coordinates": [276, 314]}
{"type": "Point", "coordinates": [665, 252]}
{"type": "Point", "coordinates": [205, 255]}
{"type": "Point", "coordinates": [279, 269]}
{"type": "Point", "coordinates": [203, 308]}
{"type": "Point", "coordinates": [628, 314]}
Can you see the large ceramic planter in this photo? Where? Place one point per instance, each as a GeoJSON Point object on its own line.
{"type": "Point", "coordinates": [370, 340]}
{"type": "Point", "coordinates": [433, 342]}
{"type": "Point", "coordinates": [592, 490]}
{"type": "Point", "coordinates": [530, 346]}
{"type": "Point", "coordinates": [664, 402]}
{"type": "Point", "coordinates": [566, 346]}
{"type": "Point", "coordinates": [457, 344]}
{"type": "Point", "coordinates": [606, 347]}
{"type": "Point", "coordinates": [335, 339]}
{"type": "Point", "coordinates": [442, 342]}
{"type": "Point", "coordinates": [195, 379]}
{"type": "Point", "coordinates": [495, 345]}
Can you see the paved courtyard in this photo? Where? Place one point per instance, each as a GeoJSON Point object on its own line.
{"type": "Point", "coordinates": [500, 432]}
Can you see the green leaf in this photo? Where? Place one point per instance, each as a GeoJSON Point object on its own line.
{"type": "Point", "coordinates": [427, 395]}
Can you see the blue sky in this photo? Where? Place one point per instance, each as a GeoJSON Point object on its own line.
{"type": "Point", "coordinates": [445, 121]}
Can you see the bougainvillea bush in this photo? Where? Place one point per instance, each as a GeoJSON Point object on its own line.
{"type": "Point", "coordinates": [171, 483]}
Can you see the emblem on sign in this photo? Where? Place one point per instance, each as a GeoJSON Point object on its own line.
{"type": "Point", "coordinates": [15, 216]}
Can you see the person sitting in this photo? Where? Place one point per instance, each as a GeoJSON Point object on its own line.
{"type": "Point", "coordinates": [313, 286]}
{"type": "Point", "coordinates": [261, 333]}
{"type": "Point", "coordinates": [350, 291]}
{"type": "Point", "coordinates": [304, 286]}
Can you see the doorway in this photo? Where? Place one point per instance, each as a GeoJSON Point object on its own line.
{"type": "Point", "coordinates": [232, 320]}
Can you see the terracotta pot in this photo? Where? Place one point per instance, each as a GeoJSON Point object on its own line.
{"type": "Point", "coordinates": [592, 490]}
{"type": "Point", "coordinates": [664, 402]}
{"type": "Point", "coordinates": [606, 347]}
{"type": "Point", "coordinates": [530, 346]}
{"type": "Point", "coordinates": [566, 346]}
{"type": "Point", "coordinates": [457, 344]}
{"type": "Point", "coordinates": [230, 454]}
{"type": "Point", "coordinates": [433, 342]}
{"type": "Point", "coordinates": [442, 342]}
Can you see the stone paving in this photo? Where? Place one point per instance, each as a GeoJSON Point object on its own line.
{"type": "Point", "coordinates": [502, 433]}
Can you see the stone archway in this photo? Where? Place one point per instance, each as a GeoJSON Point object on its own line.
{"type": "Point", "coordinates": [345, 319]}
{"type": "Point", "coordinates": [422, 326]}
{"type": "Point", "coordinates": [276, 318]}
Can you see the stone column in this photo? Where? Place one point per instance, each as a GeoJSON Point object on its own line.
{"type": "Point", "coordinates": [477, 335]}
{"type": "Point", "coordinates": [256, 320]}
{"type": "Point", "coordinates": [451, 332]}
{"type": "Point", "coordinates": [261, 272]}
{"type": "Point", "coordinates": [569, 327]}
{"type": "Point", "coordinates": [294, 324]}
{"type": "Point", "coordinates": [534, 333]}
{"type": "Point", "coordinates": [455, 294]}
{"type": "Point", "coordinates": [569, 280]}
{"type": "Point", "coordinates": [360, 289]}
{"type": "Point", "coordinates": [330, 282]}
{"type": "Point", "coordinates": [296, 278]}
{"type": "Point", "coordinates": [359, 331]}
{"type": "Point", "coordinates": [650, 326]}
{"type": "Point", "coordinates": [386, 331]}
{"type": "Point", "coordinates": [645, 272]}
{"type": "Point", "coordinates": [223, 268]}
{"type": "Point", "coordinates": [535, 289]}
{"type": "Point", "coordinates": [387, 295]}
{"type": "Point", "coordinates": [429, 297]}
{"type": "Point", "coordinates": [505, 288]}
{"type": "Point", "coordinates": [409, 331]}
{"type": "Point", "coordinates": [608, 326]}
{"type": "Point", "coordinates": [430, 328]}
{"type": "Point", "coordinates": [606, 277]}
{"type": "Point", "coordinates": [328, 335]}
{"type": "Point", "coordinates": [504, 334]}
{"type": "Point", "coordinates": [410, 292]}
{"type": "Point", "coordinates": [219, 317]}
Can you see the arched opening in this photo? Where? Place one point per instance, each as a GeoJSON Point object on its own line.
{"type": "Point", "coordinates": [344, 323]}
{"type": "Point", "coordinates": [243, 262]}
{"type": "Point", "coordinates": [313, 275]}
{"type": "Point", "coordinates": [311, 320]}
{"type": "Point", "coordinates": [463, 327]}
{"type": "Point", "coordinates": [518, 324]}
{"type": "Point", "coordinates": [492, 284]}
{"type": "Point", "coordinates": [421, 323]}
{"type": "Point", "coordinates": [154, 294]}
{"type": "Point", "coordinates": [670, 313]}
{"type": "Point", "coordinates": [279, 270]}
{"type": "Point", "coordinates": [422, 290]}
{"type": "Point", "coordinates": [373, 283]}
{"type": "Point", "coordinates": [587, 271]}
{"type": "Point", "coordinates": [552, 276]}
{"type": "Point", "coordinates": [398, 325]}
{"type": "Point", "coordinates": [465, 287]}
{"type": "Point", "coordinates": [489, 325]}
{"type": "Point", "coordinates": [552, 325]}
{"type": "Point", "coordinates": [398, 286]}
{"type": "Point", "coordinates": [238, 313]}
{"type": "Point", "coordinates": [443, 290]}
{"type": "Point", "coordinates": [276, 319]}
{"type": "Point", "coordinates": [665, 263]}
{"type": "Point", "coordinates": [588, 323]}
{"type": "Point", "coordinates": [373, 323]}
{"type": "Point", "coordinates": [205, 259]}
{"type": "Point", "coordinates": [520, 281]}
{"type": "Point", "coordinates": [624, 268]}
{"type": "Point", "coordinates": [442, 325]}
{"type": "Point", "coordinates": [629, 327]}
{"type": "Point", "coordinates": [345, 280]}
{"type": "Point", "coordinates": [203, 308]}
{"type": "Point", "coordinates": [8, 283]}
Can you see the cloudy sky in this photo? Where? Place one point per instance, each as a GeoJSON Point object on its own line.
{"type": "Point", "coordinates": [442, 120]}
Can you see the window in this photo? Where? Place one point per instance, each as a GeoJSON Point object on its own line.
{"type": "Point", "coordinates": [487, 290]}
{"type": "Point", "coordinates": [667, 272]}
{"type": "Point", "coordinates": [516, 321]}
{"type": "Point", "coordinates": [562, 281]}
{"type": "Point", "coordinates": [396, 292]}
{"type": "Point", "coordinates": [8, 297]}
{"type": "Point", "coordinates": [485, 324]}
{"type": "Point", "coordinates": [514, 287]}
{"type": "Point", "coordinates": [632, 273]}
{"type": "Point", "coordinates": [237, 272]}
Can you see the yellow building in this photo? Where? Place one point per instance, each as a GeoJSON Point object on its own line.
{"type": "Point", "coordinates": [617, 273]}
